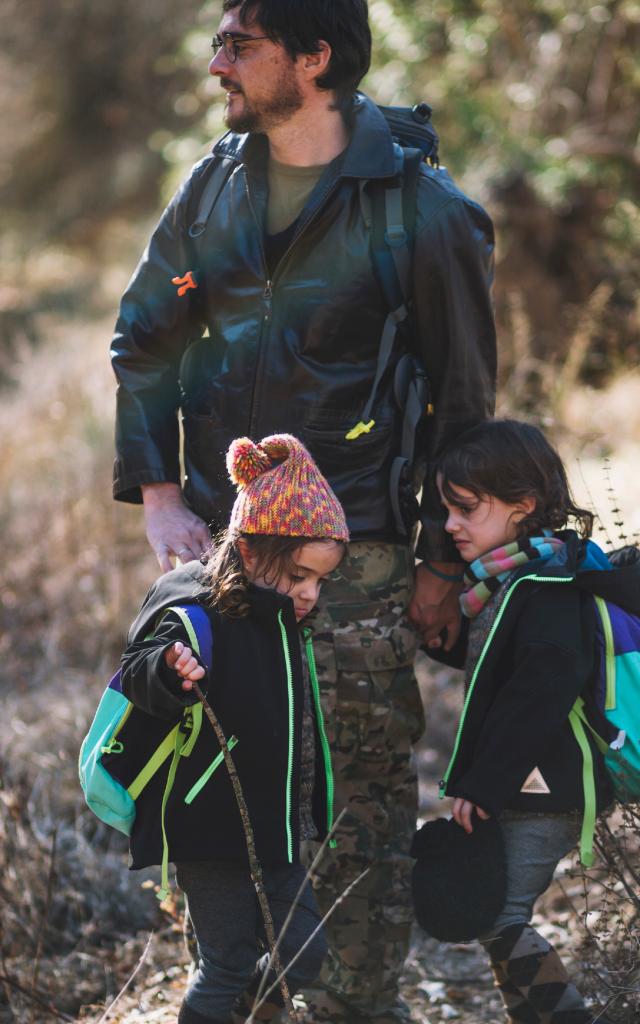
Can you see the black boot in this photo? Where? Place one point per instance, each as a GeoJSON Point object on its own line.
{"type": "Point", "coordinates": [269, 1010]}
{"type": "Point", "coordinates": [189, 1016]}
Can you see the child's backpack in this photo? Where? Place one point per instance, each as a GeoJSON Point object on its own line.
{"type": "Point", "coordinates": [113, 773]}
{"type": "Point", "coordinates": [618, 697]}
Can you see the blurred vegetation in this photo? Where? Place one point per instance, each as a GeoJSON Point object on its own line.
{"type": "Point", "coordinates": [104, 107]}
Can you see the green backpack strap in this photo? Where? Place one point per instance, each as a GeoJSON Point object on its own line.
{"type": "Point", "coordinates": [180, 738]}
{"type": "Point", "coordinates": [184, 737]}
{"type": "Point", "coordinates": [579, 724]}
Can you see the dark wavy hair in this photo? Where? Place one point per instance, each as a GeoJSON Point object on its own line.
{"type": "Point", "coordinates": [300, 25]}
{"type": "Point", "coordinates": [511, 460]}
{"type": "Point", "coordinates": [224, 575]}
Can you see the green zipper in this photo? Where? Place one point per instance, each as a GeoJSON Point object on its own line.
{"type": "Point", "coordinates": [538, 579]}
{"type": "Point", "coordinates": [324, 742]}
{"type": "Point", "coordinates": [610, 655]}
{"type": "Point", "coordinates": [115, 746]}
{"type": "Point", "coordinates": [204, 778]}
{"type": "Point", "coordinates": [287, 660]}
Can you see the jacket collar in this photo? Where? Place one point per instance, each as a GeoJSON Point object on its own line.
{"type": "Point", "coordinates": [371, 152]}
{"type": "Point", "coordinates": [266, 603]}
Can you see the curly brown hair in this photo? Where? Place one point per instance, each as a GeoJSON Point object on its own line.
{"type": "Point", "coordinates": [224, 573]}
{"type": "Point", "coordinates": [511, 460]}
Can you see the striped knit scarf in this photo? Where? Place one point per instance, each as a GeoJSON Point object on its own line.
{"type": "Point", "coordinates": [485, 575]}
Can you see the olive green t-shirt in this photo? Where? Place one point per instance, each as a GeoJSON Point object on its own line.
{"type": "Point", "coordinates": [289, 189]}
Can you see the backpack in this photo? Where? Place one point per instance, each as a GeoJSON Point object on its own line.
{"type": "Point", "coordinates": [389, 209]}
{"type": "Point", "coordinates": [617, 693]}
{"type": "Point", "coordinates": [113, 774]}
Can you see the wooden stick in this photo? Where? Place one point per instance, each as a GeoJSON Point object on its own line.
{"type": "Point", "coordinates": [310, 939]}
{"type": "Point", "coordinates": [254, 863]}
{"type": "Point", "coordinates": [258, 1001]}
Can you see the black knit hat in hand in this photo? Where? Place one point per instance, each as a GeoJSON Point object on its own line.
{"type": "Point", "coordinates": [459, 881]}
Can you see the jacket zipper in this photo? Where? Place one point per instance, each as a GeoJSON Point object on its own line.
{"type": "Point", "coordinates": [287, 661]}
{"type": "Point", "coordinates": [538, 579]}
{"type": "Point", "coordinates": [305, 224]}
{"type": "Point", "coordinates": [267, 294]}
{"type": "Point", "coordinates": [324, 742]}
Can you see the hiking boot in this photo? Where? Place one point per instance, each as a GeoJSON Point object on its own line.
{"type": "Point", "coordinates": [188, 1015]}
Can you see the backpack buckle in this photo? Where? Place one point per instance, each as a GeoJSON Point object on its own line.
{"type": "Point", "coordinates": [396, 237]}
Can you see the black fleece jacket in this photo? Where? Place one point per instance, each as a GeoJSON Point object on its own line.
{"type": "Point", "coordinates": [540, 658]}
{"type": "Point", "coordinates": [255, 687]}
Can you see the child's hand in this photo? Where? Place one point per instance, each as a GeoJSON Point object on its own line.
{"type": "Point", "coordinates": [462, 811]}
{"type": "Point", "coordinates": [182, 661]}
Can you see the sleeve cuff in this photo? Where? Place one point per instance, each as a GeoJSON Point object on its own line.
{"type": "Point", "coordinates": [127, 486]}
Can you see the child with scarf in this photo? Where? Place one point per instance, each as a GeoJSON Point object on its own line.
{"type": "Point", "coordinates": [528, 651]}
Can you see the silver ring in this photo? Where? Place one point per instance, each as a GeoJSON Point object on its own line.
{"type": "Point", "coordinates": [184, 549]}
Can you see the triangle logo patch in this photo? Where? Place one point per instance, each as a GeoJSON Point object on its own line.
{"type": "Point", "coordinates": [534, 783]}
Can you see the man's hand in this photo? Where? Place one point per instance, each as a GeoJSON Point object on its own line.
{"type": "Point", "coordinates": [182, 661]}
{"type": "Point", "coordinates": [172, 529]}
{"type": "Point", "coordinates": [434, 605]}
{"type": "Point", "coordinates": [463, 810]}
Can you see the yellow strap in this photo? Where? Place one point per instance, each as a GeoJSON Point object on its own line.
{"type": "Point", "coordinates": [204, 778]}
{"type": "Point", "coordinates": [153, 764]}
{"type": "Point", "coordinates": [360, 429]}
{"type": "Point", "coordinates": [164, 874]}
{"type": "Point", "coordinates": [576, 719]}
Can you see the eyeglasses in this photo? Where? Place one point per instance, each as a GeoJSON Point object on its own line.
{"type": "Point", "coordinates": [232, 45]}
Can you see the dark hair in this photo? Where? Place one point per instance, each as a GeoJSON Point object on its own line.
{"type": "Point", "coordinates": [224, 574]}
{"type": "Point", "coordinates": [300, 25]}
{"type": "Point", "coordinates": [510, 460]}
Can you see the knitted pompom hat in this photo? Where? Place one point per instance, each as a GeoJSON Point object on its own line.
{"type": "Point", "coordinates": [281, 491]}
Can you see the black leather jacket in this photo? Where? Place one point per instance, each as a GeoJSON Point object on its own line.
{"type": "Point", "coordinates": [244, 355]}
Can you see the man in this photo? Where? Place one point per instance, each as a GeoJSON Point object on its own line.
{"type": "Point", "coordinates": [281, 278]}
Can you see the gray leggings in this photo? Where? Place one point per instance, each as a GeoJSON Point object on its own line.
{"type": "Point", "coordinates": [534, 844]}
{"type": "Point", "coordinates": [227, 922]}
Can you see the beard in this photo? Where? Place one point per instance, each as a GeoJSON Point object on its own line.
{"type": "Point", "coordinates": [265, 112]}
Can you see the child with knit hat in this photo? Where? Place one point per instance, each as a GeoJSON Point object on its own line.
{"type": "Point", "coordinates": [260, 581]}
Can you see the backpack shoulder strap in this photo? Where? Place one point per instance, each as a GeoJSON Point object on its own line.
{"type": "Point", "coordinates": [210, 193]}
{"type": "Point", "coordinates": [389, 209]}
{"type": "Point", "coordinates": [394, 207]}
{"type": "Point", "coordinates": [198, 627]}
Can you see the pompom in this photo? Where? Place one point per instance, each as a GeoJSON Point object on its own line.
{"type": "Point", "coordinates": [245, 462]}
{"type": "Point", "coordinates": [281, 446]}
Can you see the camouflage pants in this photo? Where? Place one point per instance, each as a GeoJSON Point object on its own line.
{"type": "Point", "coordinates": [364, 650]}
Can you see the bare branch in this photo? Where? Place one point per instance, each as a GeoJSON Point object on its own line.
{"type": "Point", "coordinates": [254, 864]}
{"type": "Point", "coordinates": [107, 1013]}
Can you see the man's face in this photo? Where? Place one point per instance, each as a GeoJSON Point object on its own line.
{"type": "Point", "coordinates": [262, 84]}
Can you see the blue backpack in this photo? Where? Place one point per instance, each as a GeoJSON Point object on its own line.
{"type": "Point", "coordinates": [618, 696]}
{"type": "Point", "coordinates": [114, 773]}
